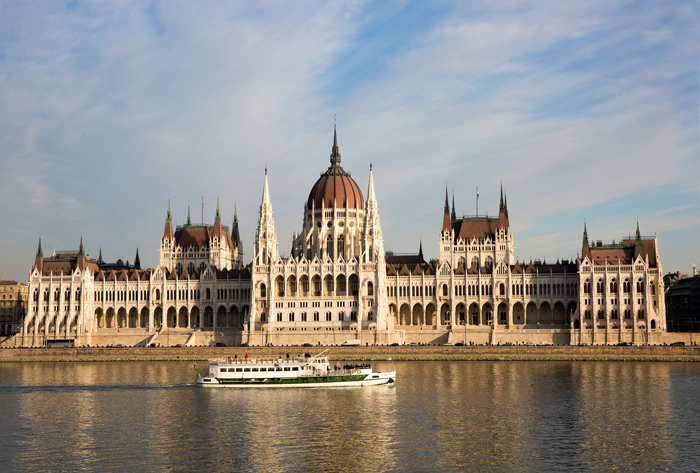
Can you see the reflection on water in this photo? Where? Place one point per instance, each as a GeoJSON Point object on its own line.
{"type": "Point", "coordinates": [503, 416]}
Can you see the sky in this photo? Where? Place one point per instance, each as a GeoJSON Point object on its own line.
{"type": "Point", "coordinates": [582, 111]}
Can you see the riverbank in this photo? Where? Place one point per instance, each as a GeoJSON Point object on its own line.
{"type": "Point", "coordinates": [396, 353]}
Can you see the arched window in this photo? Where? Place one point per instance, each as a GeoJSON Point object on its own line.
{"type": "Point", "coordinates": [626, 286]}
{"type": "Point", "coordinates": [502, 289]}
{"type": "Point", "coordinates": [444, 289]}
{"type": "Point", "coordinates": [370, 288]}
{"type": "Point", "coordinates": [586, 286]}
{"type": "Point", "coordinates": [329, 247]}
{"type": "Point", "coordinates": [341, 246]}
{"type": "Point", "coordinates": [208, 293]}
{"type": "Point", "coordinates": [613, 286]}
{"type": "Point", "coordinates": [263, 290]}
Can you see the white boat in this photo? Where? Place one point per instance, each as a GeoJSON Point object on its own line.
{"type": "Point", "coordinates": [311, 372]}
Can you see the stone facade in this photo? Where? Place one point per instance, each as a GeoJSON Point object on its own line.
{"type": "Point", "coordinates": [339, 284]}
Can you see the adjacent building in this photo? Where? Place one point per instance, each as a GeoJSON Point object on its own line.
{"type": "Point", "coordinates": [13, 306]}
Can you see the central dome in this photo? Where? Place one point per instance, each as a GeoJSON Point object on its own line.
{"type": "Point", "coordinates": [335, 187]}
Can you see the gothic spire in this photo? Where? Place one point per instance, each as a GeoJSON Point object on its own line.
{"type": "Point", "coordinates": [137, 260]}
{"type": "Point", "coordinates": [39, 251]}
{"type": "Point", "coordinates": [99, 258]}
{"type": "Point", "coordinates": [189, 220]}
{"type": "Point", "coordinates": [637, 235]}
{"type": "Point", "coordinates": [217, 218]}
{"type": "Point", "coordinates": [81, 251]}
{"type": "Point", "coordinates": [420, 249]}
{"type": "Point", "coordinates": [168, 216]}
{"type": "Point", "coordinates": [585, 234]}
{"type": "Point", "coordinates": [454, 214]}
{"type": "Point", "coordinates": [235, 214]}
{"type": "Point", "coordinates": [501, 207]}
{"type": "Point", "coordinates": [335, 152]}
{"type": "Point", "coordinates": [446, 222]}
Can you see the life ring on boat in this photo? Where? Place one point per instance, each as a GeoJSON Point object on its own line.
{"type": "Point", "coordinates": [357, 372]}
{"type": "Point", "coordinates": [212, 375]}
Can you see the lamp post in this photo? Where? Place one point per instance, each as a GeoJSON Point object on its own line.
{"type": "Point", "coordinates": [465, 332]}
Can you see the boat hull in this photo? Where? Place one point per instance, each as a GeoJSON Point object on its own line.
{"type": "Point", "coordinates": [302, 382]}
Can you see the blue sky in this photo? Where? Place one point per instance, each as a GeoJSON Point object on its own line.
{"type": "Point", "coordinates": [582, 110]}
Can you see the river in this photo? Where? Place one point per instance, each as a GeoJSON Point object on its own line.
{"type": "Point", "coordinates": [439, 416]}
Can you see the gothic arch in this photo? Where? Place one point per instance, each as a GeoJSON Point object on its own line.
{"type": "Point", "coordinates": [158, 317]}
{"type": "Point", "coordinates": [559, 314]}
{"type": "Point", "coordinates": [418, 317]}
{"type": "Point", "coordinates": [487, 314]}
{"type": "Point", "coordinates": [430, 314]}
{"type": "Point", "coordinates": [445, 314]}
{"type": "Point", "coordinates": [473, 314]}
{"type": "Point", "coordinates": [545, 314]}
{"type": "Point", "coordinates": [518, 314]}
{"type": "Point", "coordinates": [133, 318]}
{"type": "Point", "coordinates": [182, 317]}
{"type": "Point", "coordinates": [532, 314]}
{"type": "Point", "coordinates": [404, 314]}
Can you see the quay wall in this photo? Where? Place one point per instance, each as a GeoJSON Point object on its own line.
{"type": "Point", "coordinates": [397, 353]}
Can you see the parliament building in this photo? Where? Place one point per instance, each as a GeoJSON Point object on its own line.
{"type": "Point", "coordinates": [339, 284]}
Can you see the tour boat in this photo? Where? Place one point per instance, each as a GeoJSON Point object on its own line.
{"type": "Point", "coordinates": [309, 372]}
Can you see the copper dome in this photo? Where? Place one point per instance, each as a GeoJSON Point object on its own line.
{"type": "Point", "coordinates": [335, 187]}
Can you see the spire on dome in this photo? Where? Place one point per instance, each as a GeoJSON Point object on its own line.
{"type": "Point", "coordinates": [335, 152]}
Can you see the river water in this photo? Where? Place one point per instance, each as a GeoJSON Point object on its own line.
{"type": "Point", "coordinates": [440, 416]}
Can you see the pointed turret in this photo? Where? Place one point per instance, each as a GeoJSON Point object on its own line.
{"type": "Point", "coordinates": [266, 248]}
{"type": "Point", "coordinates": [81, 261]}
{"type": "Point", "coordinates": [446, 221]}
{"type": "Point", "coordinates": [39, 260]}
{"type": "Point", "coordinates": [168, 230]}
{"type": "Point", "coordinates": [638, 246]}
{"type": "Point", "coordinates": [420, 249]}
{"type": "Point", "coordinates": [454, 213]}
{"type": "Point", "coordinates": [586, 249]}
{"type": "Point", "coordinates": [373, 240]}
{"type": "Point", "coordinates": [137, 260]}
{"type": "Point", "coordinates": [503, 212]}
{"type": "Point", "coordinates": [189, 220]}
{"type": "Point", "coordinates": [218, 231]}
{"type": "Point", "coordinates": [99, 258]}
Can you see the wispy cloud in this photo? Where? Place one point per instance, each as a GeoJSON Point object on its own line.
{"type": "Point", "coordinates": [574, 106]}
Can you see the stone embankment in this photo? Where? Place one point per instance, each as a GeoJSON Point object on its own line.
{"type": "Point", "coordinates": [396, 353]}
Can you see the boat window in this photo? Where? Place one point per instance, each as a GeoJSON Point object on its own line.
{"type": "Point", "coordinates": [223, 370]}
{"type": "Point", "coordinates": [238, 370]}
{"type": "Point", "coordinates": [295, 368]}
{"type": "Point", "coordinates": [286, 368]}
{"type": "Point", "coordinates": [246, 370]}
{"type": "Point", "coordinates": [255, 369]}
